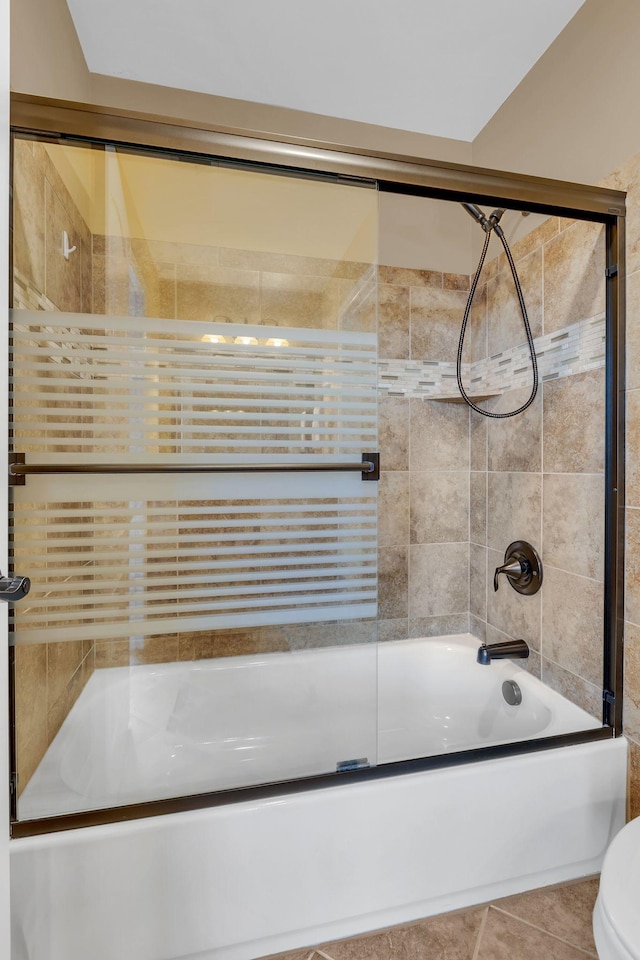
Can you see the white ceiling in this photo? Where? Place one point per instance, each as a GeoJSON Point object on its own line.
{"type": "Point", "coordinates": [441, 67]}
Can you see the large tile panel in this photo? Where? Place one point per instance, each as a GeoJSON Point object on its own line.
{"type": "Point", "coordinates": [574, 275]}
{"type": "Point", "coordinates": [436, 317]}
{"type": "Point", "coordinates": [574, 423]}
{"type": "Point", "coordinates": [439, 579]}
{"type": "Point", "coordinates": [514, 501]}
{"type": "Point", "coordinates": [439, 436]}
{"type": "Point", "coordinates": [439, 507]}
{"type": "Point", "coordinates": [573, 523]}
{"type": "Point", "coordinates": [505, 325]}
{"type": "Point", "coordinates": [515, 443]}
{"type": "Point", "coordinates": [572, 623]}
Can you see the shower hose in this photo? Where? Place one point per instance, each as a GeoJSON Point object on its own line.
{"type": "Point", "coordinates": [532, 350]}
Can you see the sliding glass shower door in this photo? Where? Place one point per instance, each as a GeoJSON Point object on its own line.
{"type": "Point", "coordinates": [194, 437]}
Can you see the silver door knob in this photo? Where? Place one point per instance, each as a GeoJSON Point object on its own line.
{"type": "Point", "coordinates": [13, 589]}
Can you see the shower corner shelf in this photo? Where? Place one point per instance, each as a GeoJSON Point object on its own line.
{"type": "Point", "coordinates": [477, 398]}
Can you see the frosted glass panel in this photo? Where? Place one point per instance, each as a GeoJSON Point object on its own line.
{"type": "Point", "coordinates": [205, 552]}
{"type": "Point", "coordinates": [189, 316]}
{"type": "Point", "coordinates": [91, 388]}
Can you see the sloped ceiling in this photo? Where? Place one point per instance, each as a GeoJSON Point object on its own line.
{"type": "Point", "coordinates": [441, 67]}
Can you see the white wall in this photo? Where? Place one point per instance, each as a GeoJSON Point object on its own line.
{"type": "Point", "coordinates": [575, 114]}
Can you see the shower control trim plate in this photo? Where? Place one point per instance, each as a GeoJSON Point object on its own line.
{"type": "Point", "coordinates": [522, 567]}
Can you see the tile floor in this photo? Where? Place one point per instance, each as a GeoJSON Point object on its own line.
{"type": "Point", "coordinates": [553, 923]}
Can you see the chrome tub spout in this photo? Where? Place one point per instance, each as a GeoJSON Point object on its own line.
{"type": "Point", "coordinates": [509, 650]}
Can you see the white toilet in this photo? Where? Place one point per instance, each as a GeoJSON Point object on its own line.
{"type": "Point", "coordinates": [616, 917]}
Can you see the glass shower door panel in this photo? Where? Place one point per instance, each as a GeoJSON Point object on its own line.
{"type": "Point", "coordinates": [190, 501]}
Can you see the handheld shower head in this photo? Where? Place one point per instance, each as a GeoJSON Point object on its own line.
{"type": "Point", "coordinates": [477, 215]}
{"type": "Point", "coordinates": [487, 224]}
{"type": "Point", "coordinates": [494, 222]}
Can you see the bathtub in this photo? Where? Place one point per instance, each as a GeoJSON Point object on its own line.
{"type": "Point", "coordinates": [255, 877]}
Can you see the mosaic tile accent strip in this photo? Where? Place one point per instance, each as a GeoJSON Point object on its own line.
{"type": "Point", "coordinates": [27, 297]}
{"type": "Point", "coordinates": [563, 353]}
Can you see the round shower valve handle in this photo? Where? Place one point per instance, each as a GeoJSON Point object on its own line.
{"type": "Point", "coordinates": [523, 568]}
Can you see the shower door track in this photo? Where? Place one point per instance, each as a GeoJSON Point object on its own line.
{"type": "Point", "coordinates": [283, 788]}
{"type": "Point", "coordinates": [64, 121]}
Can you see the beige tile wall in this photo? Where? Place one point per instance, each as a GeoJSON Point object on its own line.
{"type": "Point", "coordinates": [201, 283]}
{"type": "Point", "coordinates": [539, 476]}
{"type": "Point", "coordinates": [424, 482]}
{"type": "Point", "coordinates": [42, 209]}
{"type": "Point", "coordinates": [48, 677]}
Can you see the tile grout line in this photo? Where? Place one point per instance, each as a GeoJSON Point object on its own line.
{"type": "Point", "coordinates": [554, 936]}
{"type": "Point", "coordinates": [483, 922]}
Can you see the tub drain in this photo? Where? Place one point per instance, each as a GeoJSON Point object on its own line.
{"type": "Point", "coordinates": [512, 693]}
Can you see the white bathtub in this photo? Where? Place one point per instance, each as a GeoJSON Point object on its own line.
{"type": "Point", "coordinates": [256, 877]}
{"type": "Point", "coordinates": [166, 730]}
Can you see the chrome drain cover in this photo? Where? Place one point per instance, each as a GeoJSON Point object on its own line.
{"type": "Point", "coordinates": [512, 693]}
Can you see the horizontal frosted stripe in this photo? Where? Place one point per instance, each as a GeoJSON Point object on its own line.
{"type": "Point", "coordinates": [317, 549]}
{"type": "Point", "coordinates": [227, 621]}
{"type": "Point", "coordinates": [146, 368]}
{"type": "Point", "coordinates": [196, 420]}
{"type": "Point", "coordinates": [293, 575]}
{"type": "Point", "coordinates": [36, 344]}
{"type": "Point", "coordinates": [239, 442]}
{"type": "Point", "coordinates": [133, 536]}
{"type": "Point", "coordinates": [308, 425]}
{"type": "Point", "coordinates": [132, 605]}
{"type": "Point", "coordinates": [191, 328]}
{"type": "Point", "coordinates": [183, 432]}
{"type": "Point", "coordinates": [168, 568]}
{"type": "Point", "coordinates": [86, 342]}
{"type": "Point", "coordinates": [165, 369]}
{"type": "Point", "coordinates": [135, 607]}
{"type": "Point", "coordinates": [284, 509]}
{"type": "Point", "coordinates": [75, 391]}
{"type": "Point", "coordinates": [243, 368]}
{"type": "Point", "coordinates": [232, 388]}
{"type": "Point", "coordinates": [187, 333]}
{"type": "Point", "coordinates": [37, 531]}
{"type": "Point", "coordinates": [104, 536]}
{"type": "Point", "coordinates": [163, 521]}
{"type": "Point", "coordinates": [226, 380]}
{"type": "Point", "coordinates": [190, 338]}
{"type": "Point", "coordinates": [57, 551]}
{"type": "Point", "coordinates": [128, 597]}
{"type": "Point", "coordinates": [177, 488]}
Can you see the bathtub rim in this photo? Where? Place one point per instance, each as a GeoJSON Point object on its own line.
{"type": "Point", "coordinates": [201, 801]}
